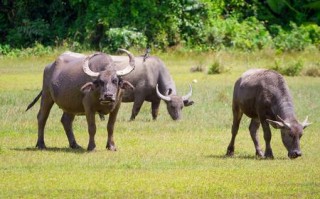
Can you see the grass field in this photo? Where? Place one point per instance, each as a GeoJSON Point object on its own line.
{"type": "Point", "coordinates": [163, 158]}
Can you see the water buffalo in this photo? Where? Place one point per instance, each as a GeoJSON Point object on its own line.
{"type": "Point", "coordinates": [82, 85]}
{"type": "Point", "coordinates": [264, 97]}
{"type": "Point", "coordinates": [152, 82]}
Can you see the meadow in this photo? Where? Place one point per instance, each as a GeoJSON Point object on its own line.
{"type": "Point", "coordinates": [163, 158]}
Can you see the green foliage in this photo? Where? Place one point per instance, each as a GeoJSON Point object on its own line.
{"type": "Point", "coordinates": [297, 39]}
{"type": "Point", "coordinates": [193, 24]}
{"type": "Point", "coordinates": [216, 68]}
{"type": "Point", "coordinates": [116, 38]}
{"type": "Point", "coordinates": [291, 69]}
{"type": "Point", "coordinates": [36, 50]}
{"type": "Point", "coordinates": [5, 49]}
{"type": "Point", "coordinates": [314, 33]}
{"type": "Point", "coordinates": [276, 5]}
{"type": "Point", "coordinates": [282, 12]}
{"type": "Point", "coordinates": [28, 22]}
{"type": "Point", "coordinates": [250, 34]}
{"type": "Point", "coordinates": [29, 32]}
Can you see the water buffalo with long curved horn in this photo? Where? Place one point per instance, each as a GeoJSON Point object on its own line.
{"type": "Point", "coordinates": [82, 85]}
{"type": "Point", "coordinates": [264, 96]}
{"type": "Point", "coordinates": [152, 82]}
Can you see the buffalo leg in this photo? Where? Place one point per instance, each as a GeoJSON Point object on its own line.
{"type": "Point", "coordinates": [253, 128]}
{"type": "Point", "coordinates": [267, 137]}
{"type": "Point", "coordinates": [110, 128]}
{"type": "Point", "coordinates": [45, 107]}
{"type": "Point", "coordinates": [237, 115]}
{"type": "Point", "coordinates": [155, 108]}
{"type": "Point", "coordinates": [138, 101]}
{"type": "Point", "coordinates": [67, 120]}
{"type": "Point", "coordinates": [91, 129]}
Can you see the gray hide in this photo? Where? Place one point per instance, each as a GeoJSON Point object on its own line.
{"type": "Point", "coordinates": [264, 97]}
{"type": "Point", "coordinates": [82, 85]}
{"type": "Point", "coordinates": [145, 78]}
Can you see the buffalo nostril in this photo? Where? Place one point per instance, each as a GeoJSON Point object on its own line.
{"type": "Point", "coordinates": [108, 95]}
{"type": "Point", "coordinates": [295, 154]}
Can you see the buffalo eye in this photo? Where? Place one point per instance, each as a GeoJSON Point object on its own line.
{"type": "Point", "coordinates": [98, 83]}
{"type": "Point", "coordinates": [115, 81]}
{"type": "Point", "coordinates": [120, 82]}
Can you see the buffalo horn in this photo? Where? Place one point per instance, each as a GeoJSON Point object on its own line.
{"type": "Point", "coordinates": [187, 96]}
{"type": "Point", "coordinates": [305, 123]}
{"type": "Point", "coordinates": [131, 65]}
{"type": "Point", "coordinates": [86, 68]}
{"type": "Point", "coordinates": [165, 98]}
{"type": "Point", "coordinates": [286, 124]}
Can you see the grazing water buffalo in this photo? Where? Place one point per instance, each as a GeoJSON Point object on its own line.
{"type": "Point", "coordinates": [152, 82]}
{"type": "Point", "coordinates": [264, 97]}
{"type": "Point", "coordinates": [72, 84]}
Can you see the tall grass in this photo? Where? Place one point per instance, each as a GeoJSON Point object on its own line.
{"type": "Point", "coordinates": [157, 159]}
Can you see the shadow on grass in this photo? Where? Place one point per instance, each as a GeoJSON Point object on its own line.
{"type": "Point", "coordinates": [243, 156]}
{"type": "Point", "coordinates": [53, 149]}
{"type": "Point", "coordinates": [233, 157]}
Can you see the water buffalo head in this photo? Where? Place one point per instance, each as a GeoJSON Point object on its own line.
{"type": "Point", "coordinates": [109, 80]}
{"type": "Point", "coordinates": [175, 103]}
{"type": "Point", "coordinates": [290, 134]}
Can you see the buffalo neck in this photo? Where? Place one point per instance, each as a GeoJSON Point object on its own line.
{"type": "Point", "coordinates": [284, 107]}
{"type": "Point", "coordinates": [166, 82]}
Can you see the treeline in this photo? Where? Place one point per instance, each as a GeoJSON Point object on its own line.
{"type": "Point", "coordinates": [106, 25]}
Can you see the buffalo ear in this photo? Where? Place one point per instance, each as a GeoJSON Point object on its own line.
{"type": "Point", "coordinates": [87, 87]}
{"type": "Point", "coordinates": [276, 124]}
{"type": "Point", "coordinates": [188, 102]}
{"type": "Point", "coordinates": [125, 85]}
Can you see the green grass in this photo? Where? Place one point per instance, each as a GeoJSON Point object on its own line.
{"type": "Point", "coordinates": [157, 159]}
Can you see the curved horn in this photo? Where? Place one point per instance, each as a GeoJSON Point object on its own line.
{"type": "Point", "coordinates": [305, 123]}
{"type": "Point", "coordinates": [131, 65]}
{"type": "Point", "coordinates": [165, 98]}
{"type": "Point", "coordinates": [286, 124]}
{"type": "Point", "coordinates": [86, 68]}
{"type": "Point", "coordinates": [187, 96]}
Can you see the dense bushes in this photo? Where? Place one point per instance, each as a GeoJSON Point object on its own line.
{"type": "Point", "coordinates": [298, 38]}
{"type": "Point", "coordinates": [116, 38]}
{"type": "Point", "coordinates": [249, 34]}
{"type": "Point", "coordinates": [291, 69]}
{"type": "Point", "coordinates": [191, 24]}
{"type": "Point", "coordinates": [36, 50]}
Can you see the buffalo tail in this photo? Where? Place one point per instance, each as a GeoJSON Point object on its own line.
{"type": "Point", "coordinates": [34, 101]}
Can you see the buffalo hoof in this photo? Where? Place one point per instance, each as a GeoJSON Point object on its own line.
{"type": "Point", "coordinates": [294, 154]}
{"type": "Point", "coordinates": [41, 145]}
{"type": "Point", "coordinates": [259, 154]}
{"type": "Point", "coordinates": [111, 147]}
{"type": "Point", "coordinates": [91, 147]}
{"type": "Point", "coordinates": [268, 155]}
{"type": "Point", "coordinates": [230, 151]}
{"type": "Point", "coordinates": [74, 145]}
